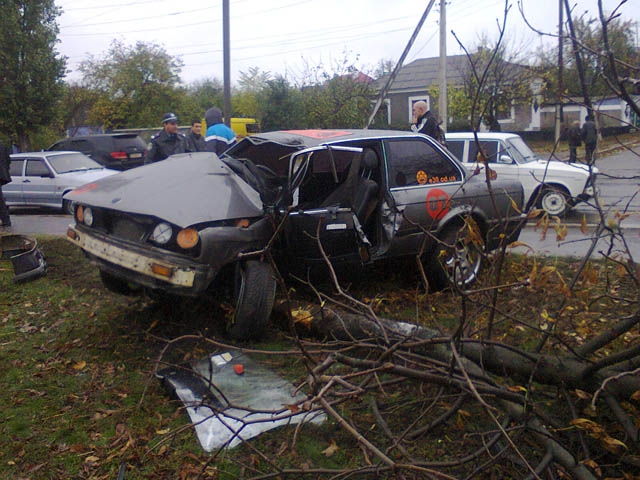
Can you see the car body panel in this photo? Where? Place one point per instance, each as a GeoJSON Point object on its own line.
{"type": "Point", "coordinates": [186, 189]}
{"type": "Point", "coordinates": [511, 158]}
{"type": "Point", "coordinates": [304, 184]}
{"type": "Point", "coordinates": [41, 179]}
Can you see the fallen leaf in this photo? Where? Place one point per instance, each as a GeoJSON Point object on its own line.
{"type": "Point", "coordinates": [331, 449]}
{"type": "Point", "coordinates": [80, 365]}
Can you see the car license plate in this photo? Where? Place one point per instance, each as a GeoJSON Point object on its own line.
{"type": "Point", "coordinates": [135, 155]}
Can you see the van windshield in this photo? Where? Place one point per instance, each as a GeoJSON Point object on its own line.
{"type": "Point", "coordinates": [521, 151]}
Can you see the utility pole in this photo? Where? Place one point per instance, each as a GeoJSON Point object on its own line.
{"type": "Point", "coordinates": [558, 125]}
{"type": "Point", "coordinates": [226, 48]}
{"type": "Point", "coordinates": [442, 107]}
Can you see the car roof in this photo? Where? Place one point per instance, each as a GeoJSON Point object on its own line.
{"type": "Point", "coordinates": [314, 137]}
{"type": "Point", "coordinates": [46, 153]}
{"type": "Point", "coordinates": [481, 135]}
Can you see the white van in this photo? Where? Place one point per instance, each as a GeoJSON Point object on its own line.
{"type": "Point", "coordinates": [552, 186]}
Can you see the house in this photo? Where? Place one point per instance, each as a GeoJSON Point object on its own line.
{"type": "Point", "coordinates": [530, 112]}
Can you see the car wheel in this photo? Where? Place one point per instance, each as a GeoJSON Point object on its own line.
{"type": "Point", "coordinates": [456, 259]}
{"type": "Point", "coordinates": [68, 207]}
{"type": "Point", "coordinates": [254, 294]}
{"type": "Point", "coordinates": [114, 284]}
{"type": "Point", "coordinates": [553, 200]}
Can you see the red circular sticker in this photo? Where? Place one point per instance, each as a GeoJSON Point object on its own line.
{"type": "Point", "coordinates": [437, 203]}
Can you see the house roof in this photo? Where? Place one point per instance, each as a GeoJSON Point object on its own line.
{"type": "Point", "coordinates": [424, 72]}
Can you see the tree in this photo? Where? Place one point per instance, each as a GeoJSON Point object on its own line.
{"type": "Point", "coordinates": [137, 84]}
{"type": "Point", "coordinates": [280, 106]}
{"type": "Point", "coordinates": [31, 69]}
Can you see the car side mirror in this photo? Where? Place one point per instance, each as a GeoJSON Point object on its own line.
{"type": "Point", "coordinates": [506, 159]}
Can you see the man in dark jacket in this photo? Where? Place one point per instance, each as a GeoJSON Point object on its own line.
{"type": "Point", "coordinates": [574, 139]}
{"type": "Point", "coordinates": [168, 142]}
{"type": "Point", "coordinates": [590, 137]}
{"type": "Point", "coordinates": [195, 140]}
{"type": "Point", "coordinates": [219, 137]}
{"type": "Point", "coordinates": [424, 121]}
{"type": "Point", "coordinates": [5, 177]}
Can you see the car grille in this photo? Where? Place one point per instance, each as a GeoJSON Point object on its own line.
{"type": "Point", "coordinates": [123, 226]}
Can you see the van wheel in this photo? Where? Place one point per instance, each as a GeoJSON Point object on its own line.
{"type": "Point", "coordinates": [456, 260]}
{"type": "Point", "coordinates": [254, 294]}
{"type": "Point", "coordinates": [554, 201]}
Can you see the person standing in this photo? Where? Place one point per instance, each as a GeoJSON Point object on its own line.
{"type": "Point", "coordinates": [5, 177]}
{"type": "Point", "coordinates": [168, 142]}
{"type": "Point", "coordinates": [574, 139]}
{"type": "Point", "coordinates": [590, 137]}
{"type": "Point", "coordinates": [219, 137]}
{"type": "Point", "coordinates": [423, 120]}
{"type": "Point", "coordinates": [195, 140]}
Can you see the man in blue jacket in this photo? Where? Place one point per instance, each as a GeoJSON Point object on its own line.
{"type": "Point", "coordinates": [219, 137]}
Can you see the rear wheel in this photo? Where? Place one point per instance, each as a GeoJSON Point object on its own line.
{"type": "Point", "coordinates": [554, 201]}
{"type": "Point", "coordinates": [456, 259]}
{"type": "Point", "coordinates": [254, 294]}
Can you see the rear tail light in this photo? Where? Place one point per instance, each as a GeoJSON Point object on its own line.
{"type": "Point", "coordinates": [119, 155]}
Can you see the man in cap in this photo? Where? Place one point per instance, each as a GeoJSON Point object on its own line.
{"type": "Point", "coordinates": [168, 142]}
{"type": "Point", "coordinates": [219, 137]}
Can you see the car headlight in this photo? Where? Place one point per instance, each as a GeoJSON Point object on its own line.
{"type": "Point", "coordinates": [87, 216]}
{"type": "Point", "coordinates": [161, 234]}
{"type": "Point", "coordinates": [187, 238]}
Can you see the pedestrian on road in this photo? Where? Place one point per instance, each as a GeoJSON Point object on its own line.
{"type": "Point", "coordinates": [195, 140]}
{"type": "Point", "coordinates": [5, 177]}
{"type": "Point", "coordinates": [574, 139]}
{"type": "Point", "coordinates": [168, 142]}
{"type": "Point", "coordinates": [219, 137]}
{"type": "Point", "coordinates": [423, 120]}
{"type": "Point", "coordinates": [590, 137]}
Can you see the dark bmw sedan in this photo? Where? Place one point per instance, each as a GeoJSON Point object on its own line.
{"type": "Point", "coordinates": [350, 196]}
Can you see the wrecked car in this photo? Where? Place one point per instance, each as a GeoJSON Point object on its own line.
{"type": "Point", "coordinates": [351, 196]}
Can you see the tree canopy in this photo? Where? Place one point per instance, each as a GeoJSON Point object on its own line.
{"type": "Point", "coordinates": [31, 70]}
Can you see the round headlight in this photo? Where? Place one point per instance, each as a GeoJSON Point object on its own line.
{"type": "Point", "coordinates": [187, 238]}
{"type": "Point", "coordinates": [162, 233]}
{"type": "Point", "coordinates": [87, 217]}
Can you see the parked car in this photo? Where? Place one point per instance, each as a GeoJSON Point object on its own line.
{"type": "Point", "coordinates": [40, 179]}
{"type": "Point", "coordinates": [552, 186]}
{"type": "Point", "coordinates": [117, 151]}
{"type": "Point", "coordinates": [174, 226]}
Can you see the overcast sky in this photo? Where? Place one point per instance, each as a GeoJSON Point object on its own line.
{"type": "Point", "coordinates": [282, 36]}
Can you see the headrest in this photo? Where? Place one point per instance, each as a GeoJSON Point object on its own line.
{"type": "Point", "coordinates": [369, 159]}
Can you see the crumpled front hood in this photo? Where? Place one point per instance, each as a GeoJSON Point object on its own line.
{"type": "Point", "coordinates": [185, 189]}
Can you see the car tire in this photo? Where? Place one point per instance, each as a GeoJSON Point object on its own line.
{"type": "Point", "coordinates": [68, 207]}
{"type": "Point", "coordinates": [254, 294]}
{"type": "Point", "coordinates": [114, 284]}
{"type": "Point", "coordinates": [554, 201]}
{"type": "Point", "coordinates": [455, 260]}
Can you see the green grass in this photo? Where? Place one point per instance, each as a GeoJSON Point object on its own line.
{"type": "Point", "coordinates": [77, 362]}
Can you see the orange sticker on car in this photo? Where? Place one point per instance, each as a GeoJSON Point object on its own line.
{"type": "Point", "coordinates": [438, 203]}
{"type": "Point", "coordinates": [421, 177]}
{"type": "Point", "coordinates": [320, 134]}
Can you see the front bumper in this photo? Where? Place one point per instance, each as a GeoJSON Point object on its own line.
{"type": "Point", "coordinates": [143, 265]}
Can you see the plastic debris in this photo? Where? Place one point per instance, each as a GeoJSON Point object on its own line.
{"type": "Point", "coordinates": [27, 259]}
{"type": "Point", "coordinates": [230, 397]}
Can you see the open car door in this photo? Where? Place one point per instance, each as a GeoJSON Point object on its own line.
{"type": "Point", "coordinates": [331, 190]}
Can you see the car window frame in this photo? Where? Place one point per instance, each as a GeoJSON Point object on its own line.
{"type": "Point", "coordinates": [41, 161]}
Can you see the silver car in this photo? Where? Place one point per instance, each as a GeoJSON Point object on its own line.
{"type": "Point", "coordinates": [40, 179]}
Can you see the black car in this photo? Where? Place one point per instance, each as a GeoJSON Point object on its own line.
{"type": "Point", "coordinates": [364, 195]}
{"type": "Point", "coordinates": [118, 151]}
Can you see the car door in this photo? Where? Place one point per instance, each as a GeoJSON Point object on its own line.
{"type": "Point", "coordinates": [12, 191]}
{"type": "Point", "coordinates": [38, 184]}
{"type": "Point", "coordinates": [317, 176]}
{"type": "Point", "coordinates": [498, 158]}
{"type": "Point", "coordinates": [422, 180]}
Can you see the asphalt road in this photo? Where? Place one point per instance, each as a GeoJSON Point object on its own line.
{"type": "Point", "coordinates": [619, 187]}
